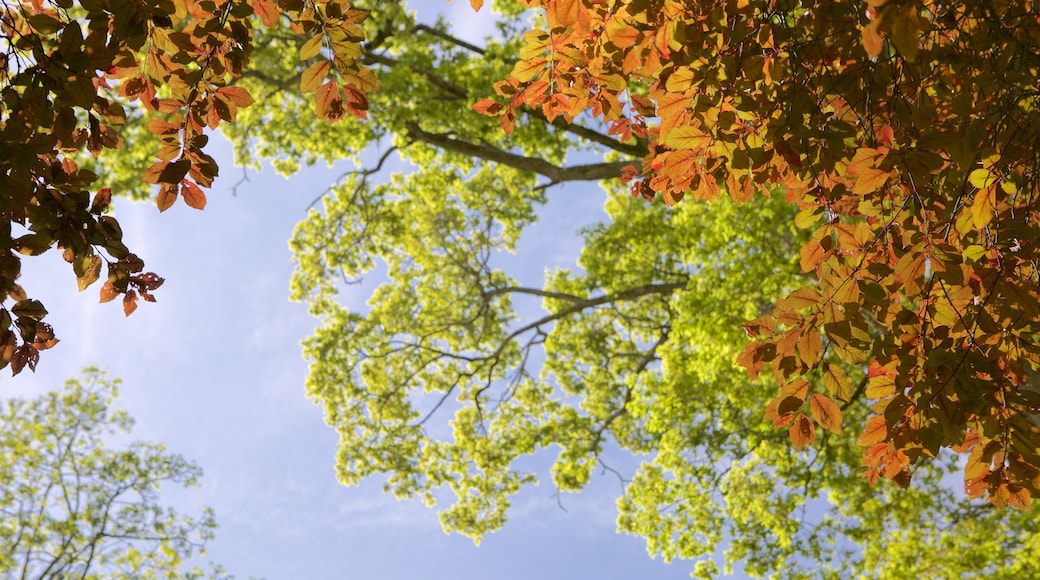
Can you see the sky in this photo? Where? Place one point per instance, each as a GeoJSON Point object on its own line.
{"type": "Point", "coordinates": [214, 371]}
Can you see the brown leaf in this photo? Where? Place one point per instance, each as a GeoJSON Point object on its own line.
{"type": "Point", "coordinates": [167, 197]}
{"type": "Point", "coordinates": [129, 302]}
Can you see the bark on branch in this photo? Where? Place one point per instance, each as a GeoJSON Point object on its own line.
{"type": "Point", "coordinates": [591, 172]}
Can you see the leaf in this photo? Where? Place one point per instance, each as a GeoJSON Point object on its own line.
{"type": "Point", "coordinates": [313, 77]}
{"type": "Point", "coordinates": [874, 432]}
{"type": "Point", "coordinates": [906, 31]}
{"type": "Point", "coordinates": [167, 197]}
{"type": "Point", "coordinates": [837, 382]}
{"type": "Point", "coordinates": [872, 41]}
{"type": "Point", "coordinates": [686, 137]}
{"type": "Point", "coordinates": [488, 107]}
{"type": "Point", "coordinates": [312, 48]}
{"type": "Point", "coordinates": [238, 95]}
{"type": "Point", "coordinates": [108, 293]}
{"type": "Point", "coordinates": [328, 102]}
{"type": "Point", "coordinates": [810, 256]}
{"type": "Point", "coordinates": [476, 4]}
{"type": "Point", "coordinates": [129, 302]}
{"type": "Point", "coordinates": [563, 12]}
{"type": "Point", "coordinates": [90, 274]}
{"type": "Point", "coordinates": [193, 195]}
{"type": "Point", "coordinates": [982, 207]}
{"type": "Point", "coordinates": [802, 432]}
{"type": "Point", "coordinates": [29, 309]}
{"type": "Point", "coordinates": [826, 413]}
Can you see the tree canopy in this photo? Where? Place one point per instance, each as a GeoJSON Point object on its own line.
{"type": "Point", "coordinates": [859, 184]}
{"type": "Point", "coordinates": [74, 505]}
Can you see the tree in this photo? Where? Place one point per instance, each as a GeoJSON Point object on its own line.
{"type": "Point", "coordinates": [456, 371]}
{"type": "Point", "coordinates": [73, 506]}
{"type": "Point", "coordinates": [900, 152]}
{"type": "Point", "coordinates": [905, 132]}
{"type": "Point", "coordinates": [73, 73]}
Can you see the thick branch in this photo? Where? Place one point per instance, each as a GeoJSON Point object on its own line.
{"type": "Point", "coordinates": [445, 36]}
{"type": "Point", "coordinates": [486, 152]}
{"type": "Point", "coordinates": [637, 149]}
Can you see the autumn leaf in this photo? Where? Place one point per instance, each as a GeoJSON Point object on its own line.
{"type": "Point", "coordinates": [167, 197]}
{"type": "Point", "coordinates": [837, 382]}
{"type": "Point", "coordinates": [476, 4]}
{"type": "Point", "coordinates": [874, 432]}
{"type": "Point", "coordinates": [826, 413]}
{"type": "Point", "coordinates": [129, 302]}
{"type": "Point", "coordinates": [193, 195]}
{"type": "Point", "coordinates": [312, 78]}
{"type": "Point", "coordinates": [802, 432]}
{"type": "Point", "coordinates": [687, 138]}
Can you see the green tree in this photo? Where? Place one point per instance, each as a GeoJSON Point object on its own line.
{"type": "Point", "coordinates": [75, 505]}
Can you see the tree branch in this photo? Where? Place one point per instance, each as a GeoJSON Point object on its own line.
{"type": "Point", "coordinates": [487, 152]}
{"type": "Point", "coordinates": [445, 36]}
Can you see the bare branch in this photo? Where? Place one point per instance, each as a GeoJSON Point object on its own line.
{"type": "Point", "coordinates": [445, 36]}
{"type": "Point", "coordinates": [487, 152]}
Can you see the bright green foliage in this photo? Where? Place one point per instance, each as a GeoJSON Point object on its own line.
{"type": "Point", "coordinates": [73, 506]}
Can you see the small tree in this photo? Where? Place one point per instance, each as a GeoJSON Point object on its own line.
{"type": "Point", "coordinates": [71, 506]}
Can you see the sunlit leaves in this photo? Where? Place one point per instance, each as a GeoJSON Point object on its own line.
{"type": "Point", "coordinates": [74, 502]}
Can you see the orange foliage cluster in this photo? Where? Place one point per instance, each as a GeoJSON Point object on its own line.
{"type": "Point", "coordinates": [907, 133]}
{"type": "Point", "coordinates": [67, 70]}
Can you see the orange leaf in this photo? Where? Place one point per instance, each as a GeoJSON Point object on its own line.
{"type": "Point", "coordinates": [129, 303]}
{"type": "Point", "coordinates": [826, 413]}
{"type": "Point", "coordinates": [193, 195]}
{"type": "Point", "coordinates": [328, 102]}
{"type": "Point", "coordinates": [811, 255]}
{"type": "Point", "coordinates": [237, 95]}
{"type": "Point", "coordinates": [802, 432]}
{"type": "Point", "coordinates": [810, 347]}
{"type": "Point", "coordinates": [875, 432]}
{"type": "Point", "coordinates": [476, 4]}
{"type": "Point", "coordinates": [487, 107]}
{"type": "Point", "coordinates": [872, 41]}
{"type": "Point", "coordinates": [108, 293]}
{"type": "Point", "coordinates": [167, 197]}
{"type": "Point", "coordinates": [563, 12]}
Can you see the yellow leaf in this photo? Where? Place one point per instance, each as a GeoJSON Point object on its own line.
{"type": "Point", "coordinates": [314, 76]}
{"type": "Point", "coordinates": [312, 47]}
{"type": "Point", "coordinates": [837, 382]}
{"type": "Point", "coordinates": [982, 207]}
{"type": "Point", "coordinates": [687, 137]}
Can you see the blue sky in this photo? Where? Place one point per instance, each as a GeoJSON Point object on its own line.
{"type": "Point", "coordinates": [214, 371]}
